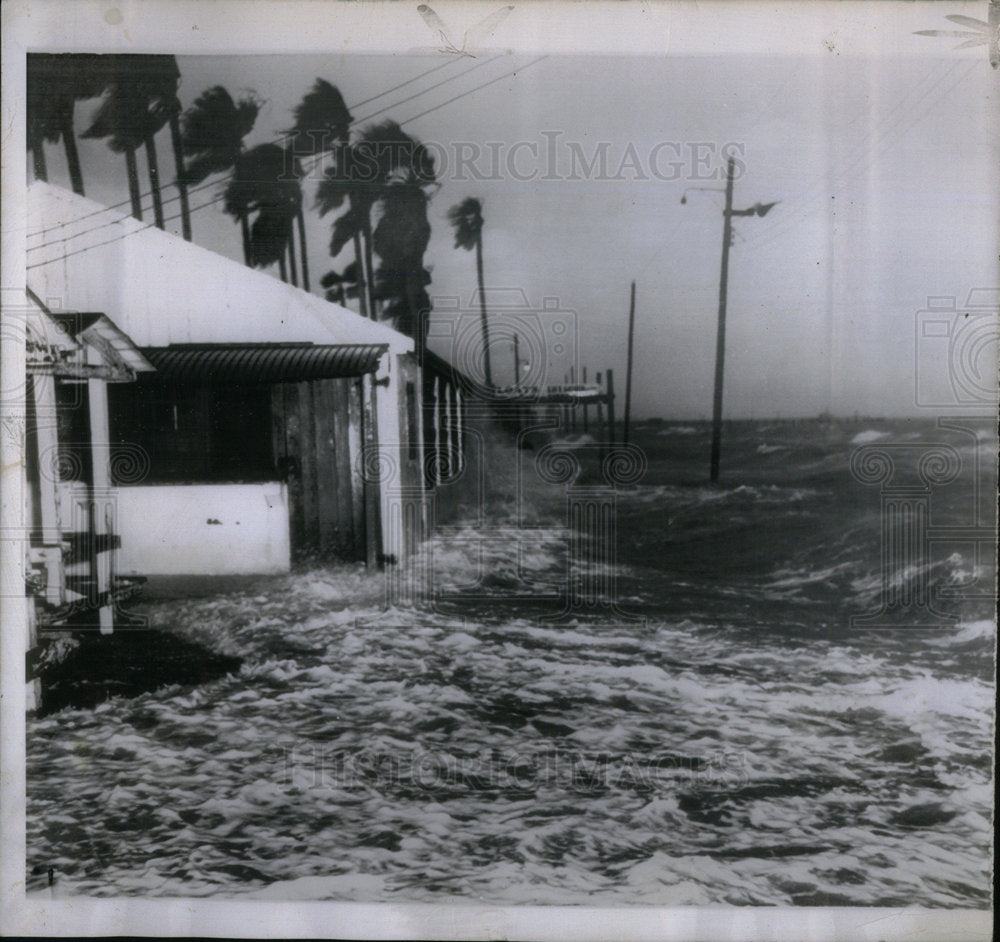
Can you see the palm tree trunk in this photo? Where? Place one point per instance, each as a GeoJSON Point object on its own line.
{"type": "Point", "coordinates": [72, 155]}
{"type": "Point", "coordinates": [290, 248]}
{"type": "Point", "coordinates": [245, 231]}
{"type": "Point", "coordinates": [370, 277]}
{"type": "Point", "coordinates": [362, 280]}
{"type": "Point", "coordinates": [154, 181]}
{"type": "Point", "coordinates": [38, 157]}
{"type": "Point", "coordinates": [178, 146]}
{"type": "Point", "coordinates": [417, 316]}
{"type": "Point", "coordinates": [133, 181]}
{"type": "Point", "coordinates": [302, 249]}
{"type": "Point", "coordinates": [482, 311]}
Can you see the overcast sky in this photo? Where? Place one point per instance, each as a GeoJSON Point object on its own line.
{"type": "Point", "coordinates": [885, 167]}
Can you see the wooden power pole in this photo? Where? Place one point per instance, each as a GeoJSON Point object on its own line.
{"type": "Point", "coordinates": [628, 369]}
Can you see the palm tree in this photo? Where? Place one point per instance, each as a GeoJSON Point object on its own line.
{"type": "Point", "coordinates": [322, 123]}
{"type": "Point", "coordinates": [139, 100]}
{"type": "Point", "coordinates": [322, 126]}
{"type": "Point", "coordinates": [266, 181]}
{"type": "Point", "coordinates": [336, 188]}
{"type": "Point", "coordinates": [54, 84]}
{"type": "Point", "coordinates": [400, 239]}
{"type": "Point", "coordinates": [212, 133]}
{"type": "Point", "coordinates": [340, 287]}
{"type": "Point", "coordinates": [372, 172]}
{"type": "Point", "coordinates": [467, 219]}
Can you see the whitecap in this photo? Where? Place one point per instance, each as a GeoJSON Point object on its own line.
{"type": "Point", "coordinates": [869, 435]}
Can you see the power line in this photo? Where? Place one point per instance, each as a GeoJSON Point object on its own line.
{"type": "Point", "coordinates": [881, 135]}
{"type": "Point", "coordinates": [476, 89]}
{"type": "Point", "coordinates": [284, 137]}
{"type": "Point", "coordinates": [450, 78]}
{"type": "Point", "coordinates": [318, 158]}
{"type": "Point", "coordinates": [124, 235]}
{"type": "Point", "coordinates": [880, 143]}
{"type": "Point", "coordinates": [395, 88]}
{"type": "Point", "coordinates": [307, 167]}
{"type": "Point", "coordinates": [218, 198]}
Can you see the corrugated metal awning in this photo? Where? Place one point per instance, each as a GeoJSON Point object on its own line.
{"type": "Point", "coordinates": [264, 363]}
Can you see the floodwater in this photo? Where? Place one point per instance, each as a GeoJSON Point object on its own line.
{"type": "Point", "coordinates": [713, 731]}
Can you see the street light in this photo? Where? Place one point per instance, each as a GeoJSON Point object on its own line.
{"type": "Point", "coordinates": [758, 209]}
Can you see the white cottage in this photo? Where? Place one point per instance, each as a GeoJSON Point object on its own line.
{"type": "Point", "coordinates": [276, 427]}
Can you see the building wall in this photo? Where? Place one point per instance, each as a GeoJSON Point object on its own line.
{"type": "Point", "coordinates": [401, 447]}
{"type": "Point", "coordinates": [203, 529]}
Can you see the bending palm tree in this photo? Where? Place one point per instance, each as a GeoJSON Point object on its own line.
{"type": "Point", "coordinates": [467, 219]}
{"type": "Point", "coordinates": [261, 184]}
{"type": "Point", "coordinates": [340, 287]}
{"type": "Point", "coordinates": [140, 98]}
{"type": "Point", "coordinates": [322, 126]}
{"type": "Point", "coordinates": [322, 123]}
{"type": "Point", "coordinates": [376, 170]}
{"type": "Point", "coordinates": [54, 84]}
{"type": "Point", "coordinates": [212, 133]}
{"type": "Point", "coordinates": [400, 239]}
{"type": "Point", "coordinates": [337, 187]}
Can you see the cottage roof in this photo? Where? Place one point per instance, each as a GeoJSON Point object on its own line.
{"type": "Point", "coordinates": [162, 290]}
{"type": "Point", "coordinates": [265, 363]}
{"type": "Point", "coordinates": [56, 343]}
{"type": "Point", "coordinates": [99, 331]}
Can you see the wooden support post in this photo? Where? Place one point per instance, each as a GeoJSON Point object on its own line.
{"type": "Point", "coordinates": [342, 461]}
{"type": "Point", "coordinates": [628, 371]}
{"type": "Point", "coordinates": [356, 435]}
{"type": "Point", "coordinates": [43, 398]}
{"type": "Point", "coordinates": [600, 420]}
{"type": "Point", "coordinates": [303, 402]}
{"type": "Point", "coordinates": [453, 462]}
{"type": "Point", "coordinates": [101, 502]}
{"type": "Point", "coordinates": [440, 428]}
{"type": "Point", "coordinates": [373, 487]}
{"type": "Point", "coordinates": [459, 429]}
{"type": "Point", "coordinates": [324, 409]}
{"type": "Point", "coordinates": [611, 407]}
{"type": "Point", "coordinates": [572, 402]}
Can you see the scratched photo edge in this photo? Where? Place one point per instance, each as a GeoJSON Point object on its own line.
{"type": "Point", "coordinates": [128, 915]}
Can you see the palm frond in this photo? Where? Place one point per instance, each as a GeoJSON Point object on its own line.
{"type": "Point", "coordinates": [403, 232]}
{"type": "Point", "coordinates": [212, 132]}
{"type": "Point", "coordinates": [139, 98]}
{"type": "Point", "coordinates": [332, 190]}
{"type": "Point", "coordinates": [345, 227]}
{"type": "Point", "coordinates": [266, 177]}
{"type": "Point", "coordinates": [322, 120]}
{"type": "Point", "coordinates": [384, 152]}
{"type": "Point", "coordinates": [269, 236]}
{"type": "Point", "coordinates": [467, 220]}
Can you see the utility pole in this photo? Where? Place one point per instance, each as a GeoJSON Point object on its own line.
{"type": "Point", "coordinates": [757, 209]}
{"type": "Point", "coordinates": [720, 336]}
{"type": "Point", "coordinates": [628, 371]}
